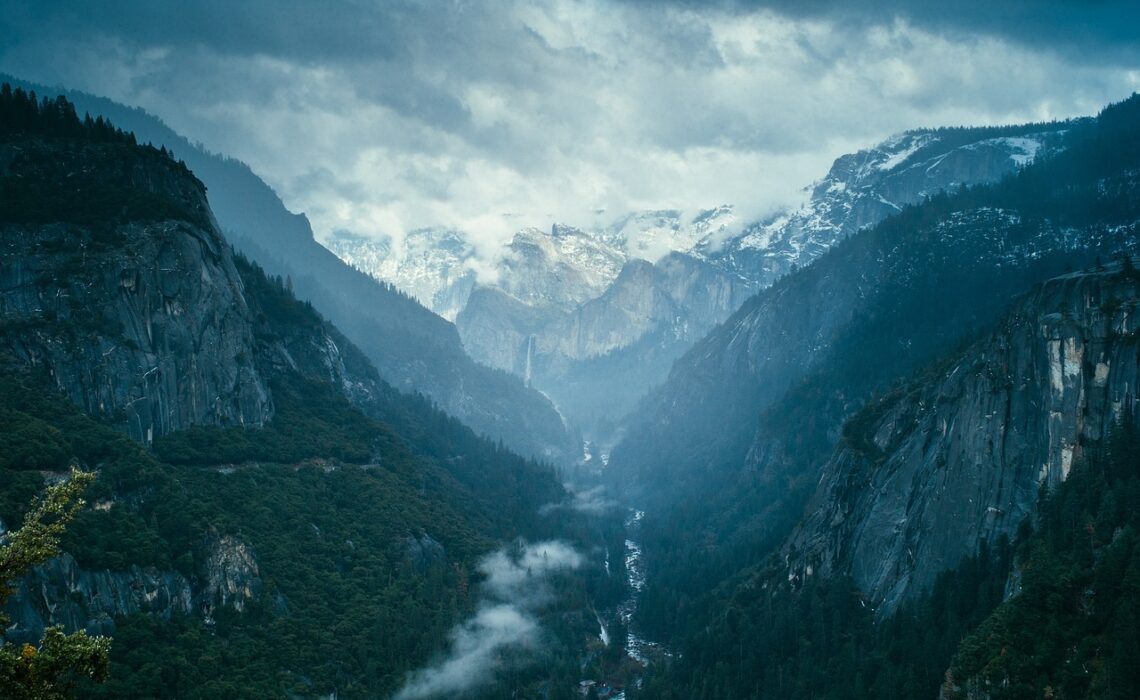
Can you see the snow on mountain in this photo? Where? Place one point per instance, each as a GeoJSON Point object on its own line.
{"type": "Point", "coordinates": [651, 235]}
{"type": "Point", "coordinates": [564, 267]}
{"type": "Point", "coordinates": [865, 187]}
{"type": "Point", "coordinates": [433, 265]}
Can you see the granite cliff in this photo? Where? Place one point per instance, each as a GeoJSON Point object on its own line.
{"type": "Point", "coordinates": [959, 455]}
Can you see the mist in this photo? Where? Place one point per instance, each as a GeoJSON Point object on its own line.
{"type": "Point", "coordinates": [505, 619]}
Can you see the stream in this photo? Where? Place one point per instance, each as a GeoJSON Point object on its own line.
{"type": "Point", "coordinates": [636, 647]}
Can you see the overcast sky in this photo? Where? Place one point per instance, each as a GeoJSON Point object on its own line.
{"type": "Point", "coordinates": [381, 117]}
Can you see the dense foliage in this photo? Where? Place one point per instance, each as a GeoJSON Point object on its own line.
{"type": "Point", "coordinates": [924, 282]}
{"type": "Point", "coordinates": [357, 516]}
{"type": "Point", "coordinates": [1071, 630]}
{"type": "Point", "coordinates": [344, 601]}
{"type": "Point", "coordinates": [21, 114]}
{"type": "Point", "coordinates": [81, 171]}
{"type": "Point", "coordinates": [48, 669]}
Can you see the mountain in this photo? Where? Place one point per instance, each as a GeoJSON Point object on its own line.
{"type": "Point", "coordinates": [863, 188]}
{"type": "Point", "coordinates": [960, 455]}
{"type": "Point", "coordinates": [291, 524]}
{"type": "Point", "coordinates": [732, 448]}
{"type": "Point", "coordinates": [596, 341]}
{"type": "Point", "coordinates": [414, 350]}
{"type": "Point", "coordinates": [136, 314]}
{"type": "Point", "coordinates": [433, 267]}
{"type": "Point", "coordinates": [844, 480]}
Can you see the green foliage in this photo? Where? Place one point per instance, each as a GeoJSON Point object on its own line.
{"type": "Point", "coordinates": [21, 114]}
{"type": "Point", "coordinates": [343, 604]}
{"type": "Point", "coordinates": [1073, 630]}
{"type": "Point", "coordinates": [38, 539]}
{"type": "Point", "coordinates": [48, 670]}
{"type": "Point", "coordinates": [312, 421]}
{"type": "Point", "coordinates": [83, 172]}
{"type": "Point", "coordinates": [822, 640]}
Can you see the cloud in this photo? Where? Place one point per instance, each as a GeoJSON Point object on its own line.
{"type": "Point", "coordinates": [592, 500]}
{"type": "Point", "coordinates": [474, 649]}
{"type": "Point", "coordinates": [1074, 27]}
{"type": "Point", "coordinates": [514, 588]}
{"type": "Point", "coordinates": [383, 118]}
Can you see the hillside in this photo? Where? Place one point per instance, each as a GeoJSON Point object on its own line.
{"type": "Point", "coordinates": [413, 349]}
{"type": "Point", "coordinates": [298, 527]}
{"type": "Point", "coordinates": [731, 449]}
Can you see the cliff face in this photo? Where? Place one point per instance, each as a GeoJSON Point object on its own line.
{"type": "Point", "coordinates": [59, 592]}
{"type": "Point", "coordinates": [957, 457]}
{"type": "Point", "coordinates": [753, 412]}
{"type": "Point", "coordinates": [141, 320]}
{"type": "Point", "coordinates": [579, 352]}
{"type": "Point", "coordinates": [414, 349]}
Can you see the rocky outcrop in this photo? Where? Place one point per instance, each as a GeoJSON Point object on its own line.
{"type": "Point", "coordinates": [60, 592]}
{"type": "Point", "coordinates": [142, 321]}
{"type": "Point", "coordinates": [958, 457]}
{"type": "Point", "coordinates": [232, 577]}
{"type": "Point", "coordinates": [423, 552]}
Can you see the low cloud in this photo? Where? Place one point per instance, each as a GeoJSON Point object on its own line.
{"type": "Point", "coordinates": [592, 501]}
{"type": "Point", "coordinates": [505, 619]}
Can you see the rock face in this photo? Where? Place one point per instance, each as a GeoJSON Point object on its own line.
{"type": "Point", "coordinates": [232, 575]}
{"type": "Point", "coordinates": [166, 337]}
{"type": "Point", "coordinates": [752, 413]}
{"type": "Point", "coordinates": [414, 349]}
{"type": "Point", "coordinates": [957, 457]}
{"type": "Point", "coordinates": [423, 552]}
{"type": "Point", "coordinates": [59, 592]}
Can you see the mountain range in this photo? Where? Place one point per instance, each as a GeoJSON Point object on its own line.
{"type": "Point", "coordinates": [883, 445]}
{"type": "Point", "coordinates": [595, 317]}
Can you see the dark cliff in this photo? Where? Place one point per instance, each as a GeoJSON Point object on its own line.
{"type": "Point", "coordinates": [412, 348]}
{"type": "Point", "coordinates": [118, 283]}
{"type": "Point", "coordinates": [958, 456]}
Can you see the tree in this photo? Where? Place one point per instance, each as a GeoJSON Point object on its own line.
{"type": "Point", "coordinates": [45, 671]}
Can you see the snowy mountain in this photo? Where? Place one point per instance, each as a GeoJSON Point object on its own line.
{"type": "Point", "coordinates": [651, 235]}
{"type": "Point", "coordinates": [562, 268]}
{"type": "Point", "coordinates": [433, 265]}
{"type": "Point", "coordinates": [865, 187]}
{"type": "Point", "coordinates": [594, 318]}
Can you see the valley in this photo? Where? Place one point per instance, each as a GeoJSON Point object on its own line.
{"type": "Point", "coordinates": [883, 444]}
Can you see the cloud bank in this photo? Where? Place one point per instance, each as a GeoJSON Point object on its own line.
{"type": "Point", "coordinates": [505, 619]}
{"type": "Point", "coordinates": [381, 118]}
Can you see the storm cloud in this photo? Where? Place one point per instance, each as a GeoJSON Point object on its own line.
{"type": "Point", "coordinates": [380, 118]}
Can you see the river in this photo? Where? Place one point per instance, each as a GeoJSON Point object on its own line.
{"type": "Point", "coordinates": [637, 647]}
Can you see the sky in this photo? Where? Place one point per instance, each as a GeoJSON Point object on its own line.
{"type": "Point", "coordinates": [383, 117]}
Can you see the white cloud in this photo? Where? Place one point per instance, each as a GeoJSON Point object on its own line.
{"type": "Point", "coordinates": [514, 588]}
{"type": "Point", "coordinates": [490, 117]}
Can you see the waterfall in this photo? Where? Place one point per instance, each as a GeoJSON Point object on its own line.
{"type": "Point", "coordinates": [529, 358]}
